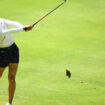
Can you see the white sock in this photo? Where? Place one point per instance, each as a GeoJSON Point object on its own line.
{"type": "Point", "coordinates": [8, 104]}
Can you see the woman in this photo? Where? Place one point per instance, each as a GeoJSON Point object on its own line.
{"type": "Point", "coordinates": [9, 52]}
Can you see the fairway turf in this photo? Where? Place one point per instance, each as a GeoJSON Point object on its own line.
{"type": "Point", "coordinates": [72, 37]}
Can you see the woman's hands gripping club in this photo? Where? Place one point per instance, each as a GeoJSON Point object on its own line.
{"type": "Point", "coordinates": [28, 28]}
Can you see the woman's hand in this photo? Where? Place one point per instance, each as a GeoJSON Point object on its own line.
{"type": "Point", "coordinates": [28, 28]}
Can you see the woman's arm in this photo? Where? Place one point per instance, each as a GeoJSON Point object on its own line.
{"type": "Point", "coordinates": [7, 31]}
{"type": "Point", "coordinates": [15, 24]}
{"type": "Point", "coordinates": [12, 23]}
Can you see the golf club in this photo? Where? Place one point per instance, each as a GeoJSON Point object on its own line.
{"type": "Point", "coordinates": [49, 13]}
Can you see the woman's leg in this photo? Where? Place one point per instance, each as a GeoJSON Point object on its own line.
{"type": "Point", "coordinates": [1, 71]}
{"type": "Point", "coordinates": [11, 77]}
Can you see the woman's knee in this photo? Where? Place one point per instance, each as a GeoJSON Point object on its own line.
{"type": "Point", "coordinates": [12, 71]}
{"type": "Point", "coordinates": [11, 77]}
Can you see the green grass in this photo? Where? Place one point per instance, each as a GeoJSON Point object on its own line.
{"type": "Point", "coordinates": [72, 37]}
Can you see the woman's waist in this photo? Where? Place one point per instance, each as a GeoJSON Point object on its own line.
{"type": "Point", "coordinates": [9, 47]}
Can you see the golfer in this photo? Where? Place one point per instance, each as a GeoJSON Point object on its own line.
{"type": "Point", "coordinates": [9, 52]}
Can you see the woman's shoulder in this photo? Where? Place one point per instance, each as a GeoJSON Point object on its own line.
{"type": "Point", "coordinates": [1, 19]}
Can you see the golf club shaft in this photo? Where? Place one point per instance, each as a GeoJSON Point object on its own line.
{"type": "Point", "coordinates": [48, 13]}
